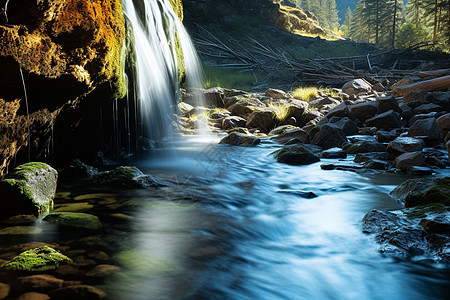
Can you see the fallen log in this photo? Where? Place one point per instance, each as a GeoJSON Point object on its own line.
{"type": "Point", "coordinates": [436, 84]}
{"type": "Point", "coordinates": [433, 73]}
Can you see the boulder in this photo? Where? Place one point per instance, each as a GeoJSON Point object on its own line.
{"type": "Point", "coordinates": [263, 119]}
{"type": "Point", "coordinates": [311, 116]}
{"type": "Point", "coordinates": [404, 144]}
{"type": "Point", "coordinates": [364, 110]}
{"type": "Point", "coordinates": [33, 296]}
{"type": "Point", "coordinates": [75, 292]}
{"type": "Point", "coordinates": [356, 87]}
{"type": "Point", "coordinates": [421, 116]}
{"type": "Point", "coordinates": [74, 220]}
{"type": "Point", "coordinates": [419, 171]}
{"type": "Point", "coordinates": [386, 120]}
{"type": "Point", "coordinates": [325, 101]}
{"type": "Point", "coordinates": [378, 87]}
{"type": "Point", "coordinates": [240, 139]}
{"type": "Point", "coordinates": [427, 108]}
{"type": "Point", "coordinates": [348, 126]}
{"type": "Point", "coordinates": [329, 136]}
{"type": "Point", "coordinates": [443, 124]}
{"type": "Point", "coordinates": [4, 290]}
{"type": "Point", "coordinates": [28, 189]}
{"type": "Point", "coordinates": [426, 128]}
{"type": "Point", "coordinates": [339, 111]}
{"type": "Point", "coordinates": [296, 155]}
{"type": "Point", "coordinates": [232, 122]}
{"type": "Point", "coordinates": [128, 178]}
{"type": "Point", "coordinates": [447, 146]}
{"type": "Point", "coordinates": [243, 108]}
{"type": "Point", "coordinates": [366, 157]}
{"type": "Point", "coordinates": [376, 164]}
{"type": "Point", "coordinates": [275, 94]}
{"type": "Point", "coordinates": [38, 259]}
{"type": "Point", "coordinates": [364, 147]}
{"type": "Point", "coordinates": [440, 98]}
{"type": "Point", "coordinates": [283, 138]}
{"type": "Point", "coordinates": [214, 97]}
{"type": "Point", "coordinates": [415, 98]}
{"type": "Point", "coordinates": [409, 159]}
{"type": "Point", "coordinates": [77, 168]}
{"type": "Point", "coordinates": [383, 136]}
{"type": "Point", "coordinates": [423, 191]}
{"type": "Point", "coordinates": [281, 129]}
{"type": "Point", "coordinates": [334, 153]}
{"type": "Point", "coordinates": [185, 109]}
{"type": "Point", "coordinates": [296, 109]}
{"type": "Point", "coordinates": [38, 283]}
{"type": "Point", "coordinates": [388, 103]}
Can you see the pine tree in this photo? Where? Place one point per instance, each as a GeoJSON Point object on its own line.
{"type": "Point", "coordinates": [348, 17]}
{"type": "Point", "coordinates": [331, 14]}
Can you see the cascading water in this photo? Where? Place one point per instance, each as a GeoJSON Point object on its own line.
{"type": "Point", "coordinates": [156, 27]}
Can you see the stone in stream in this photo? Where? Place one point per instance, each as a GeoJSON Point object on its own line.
{"type": "Point", "coordinates": [443, 124]}
{"type": "Point", "coordinates": [364, 110]}
{"type": "Point", "coordinates": [423, 191]}
{"type": "Point", "coordinates": [127, 177]}
{"type": "Point", "coordinates": [263, 119]}
{"type": "Point", "coordinates": [409, 159]}
{"type": "Point", "coordinates": [38, 259]}
{"type": "Point", "coordinates": [329, 136]}
{"type": "Point", "coordinates": [426, 128]}
{"type": "Point", "coordinates": [404, 144]}
{"type": "Point", "coordinates": [388, 103]}
{"type": "Point", "coordinates": [296, 155]}
{"type": "Point", "coordinates": [233, 122]}
{"type": "Point", "coordinates": [214, 97]}
{"type": "Point", "coordinates": [383, 136]}
{"type": "Point", "coordinates": [427, 108]}
{"type": "Point", "coordinates": [296, 109]}
{"type": "Point", "coordinates": [243, 108]}
{"type": "Point", "coordinates": [419, 171]}
{"type": "Point", "coordinates": [77, 168]}
{"type": "Point", "coordinates": [240, 139]}
{"type": "Point", "coordinates": [74, 220]}
{"type": "Point", "coordinates": [4, 290]}
{"type": "Point", "coordinates": [185, 109]}
{"type": "Point", "coordinates": [365, 157]}
{"type": "Point", "coordinates": [440, 98]}
{"type": "Point", "coordinates": [28, 189]}
{"type": "Point", "coordinates": [364, 147]}
{"type": "Point", "coordinates": [285, 137]}
{"type": "Point", "coordinates": [38, 283]}
{"type": "Point", "coordinates": [348, 126]}
{"type": "Point", "coordinates": [387, 120]}
{"type": "Point", "coordinates": [76, 292]}
{"type": "Point", "coordinates": [281, 129]}
{"type": "Point", "coordinates": [33, 296]}
{"type": "Point", "coordinates": [334, 153]}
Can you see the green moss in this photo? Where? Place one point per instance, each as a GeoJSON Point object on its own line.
{"type": "Point", "coordinates": [22, 171]}
{"type": "Point", "coordinates": [428, 190]}
{"type": "Point", "coordinates": [75, 220]}
{"type": "Point", "coordinates": [38, 259]}
{"type": "Point", "coordinates": [21, 186]}
{"type": "Point", "coordinates": [422, 210]}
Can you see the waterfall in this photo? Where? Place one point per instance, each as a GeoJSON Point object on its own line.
{"type": "Point", "coordinates": [156, 27]}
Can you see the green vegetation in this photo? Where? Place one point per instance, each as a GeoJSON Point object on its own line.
{"type": "Point", "coordinates": [422, 210]}
{"type": "Point", "coordinates": [228, 78]}
{"type": "Point", "coordinates": [75, 220]}
{"type": "Point", "coordinates": [38, 259]}
{"type": "Point", "coordinates": [281, 110]}
{"type": "Point", "coordinates": [306, 93]}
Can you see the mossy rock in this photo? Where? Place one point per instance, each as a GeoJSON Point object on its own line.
{"type": "Point", "coordinates": [28, 189]}
{"type": "Point", "coordinates": [128, 178]}
{"type": "Point", "coordinates": [422, 211]}
{"type": "Point", "coordinates": [423, 191]}
{"type": "Point", "coordinates": [38, 259]}
{"type": "Point", "coordinates": [74, 220]}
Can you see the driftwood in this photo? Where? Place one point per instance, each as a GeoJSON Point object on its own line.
{"type": "Point", "coordinates": [436, 84]}
{"type": "Point", "coordinates": [433, 73]}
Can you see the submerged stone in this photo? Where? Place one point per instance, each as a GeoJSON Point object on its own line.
{"type": "Point", "coordinates": [39, 259]}
{"type": "Point", "coordinates": [75, 220]}
{"type": "Point", "coordinates": [423, 191]}
{"type": "Point", "coordinates": [128, 178]}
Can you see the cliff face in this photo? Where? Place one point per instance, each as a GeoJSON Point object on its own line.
{"type": "Point", "coordinates": [65, 50]}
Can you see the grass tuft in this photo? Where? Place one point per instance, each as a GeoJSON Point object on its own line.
{"type": "Point", "coordinates": [281, 110]}
{"type": "Point", "coordinates": [306, 93]}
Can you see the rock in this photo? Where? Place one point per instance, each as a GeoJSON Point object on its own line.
{"type": "Point", "coordinates": [427, 108]}
{"type": "Point", "coordinates": [302, 194]}
{"type": "Point", "coordinates": [102, 271]}
{"type": "Point", "coordinates": [364, 110]}
{"type": "Point", "coordinates": [447, 146]}
{"type": "Point", "coordinates": [339, 111]}
{"type": "Point", "coordinates": [296, 109]}
{"type": "Point", "coordinates": [422, 116]}
{"type": "Point", "coordinates": [240, 139]}
{"type": "Point", "coordinates": [295, 155]}
{"type": "Point", "coordinates": [388, 103]}
{"type": "Point", "coordinates": [74, 220]}
{"type": "Point", "coordinates": [378, 87]}
{"type": "Point", "coordinates": [423, 191]}
{"type": "Point", "coordinates": [434, 161]}
{"type": "Point", "coordinates": [440, 98]}
{"type": "Point", "coordinates": [409, 159]}
{"type": "Point", "coordinates": [128, 178]}
{"type": "Point", "coordinates": [281, 129]}
{"type": "Point", "coordinates": [443, 124]}
{"type": "Point", "coordinates": [275, 94]}
{"type": "Point", "coordinates": [76, 292]}
{"type": "Point", "coordinates": [20, 230]}
{"type": "Point", "coordinates": [4, 290]}
{"type": "Point", "coordinates": [386, 120]}
{"type": "Point", "coordinates": [243, 108]}
{"type": "Point", "coordinates": [329, 136]}
{"type": "Point", "coordinates": [431, 226]}
{"type": "Point", "coordinates": [283, 138]}
{"type": "Point", "coordinates": [385, 136]}
{"type": "Point", "coordinates": [78, 169]}
{"type": "Point", "coordinates": [404, 144]}
{"type": "Point", "coordinates": [364, 147]}
{"type": "Point", "coordinates": [185, 109]}
{"type": "Point", "coordinates": [38, 259]}
{"type": "Point", "coordinates": [366, 157]}
{"type": "Point", "coordinates": [341, 167]}
{"type": "Point", "coordinates": [20, 220]}
{"type": "Point", "coordinates": [38, 283]}
{"type": "Point", "coordinates": [325, 101]}
{"type": "Point", "coordinates": [33, 296]}
{"type": "Point", "coordinates": [403, 233]}
{"type": "Point", "coordinates": [348, 126]}
{"type": "Point", "coordinates": [214, 97]}
{"type": "Point", "coordinates": [356, 87]}
{"type": "Point", "coordinates": [263, 119]}
{"type": "Point", "coordinates": [407, 112]}
{"type": "Point", "coordinates": [28, 189]}
{"type": "Point", "coordinates": [424, 128]}
{"type": "Point", "coordinates": [376, 164]}
{"type": "Point", "coordinates": [419, 171]}
{"type": "Point", "coordinates": [415, 98]}
{"type": "Point", "coordinates": [74, 207]}
{"type": "Point", "coordinates": [310, 116]}
{"type": "Point", "coordinates": [232, 122]}
{"type": "Point", "coordinates": [334, 153]}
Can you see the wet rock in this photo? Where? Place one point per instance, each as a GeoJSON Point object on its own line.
{"type": "Point", "coordinates": [78, 169]}
{"type": "Point", "coordinates": [443, 124]}
{"type": "Point", "coordinates": [341, 167]}
{"type": "Point", "coordinates": [419, 171]}
{"type": "Point", "coordinates": [363, 111]}
{"type": "Point", "coordinates": [376, 164]}
{"type": "Point", "coordinates": [431, 226]}
{"type": "Point", "coordinates": [28, 189]}
{"type": "Point", "coordinates": [302, 194]}
{"type": "Point", "coordinates": [84, 263]}
{"type": "Point", "coordinates": [232, 122]}
{"type": "Point", "coordinates": [339, 111]}
{"type": "Point", "coordinates": [275, 94]}
{"type": "Point", "coordinates": [20, 220]}
{"type": "Point", "coordinates": [356, 87]}
{"type": "Point", "coordinates": [440, 98]}
{"type": "Point", "coordinates": [424, 128]}
{"type": "Point", "coordinates": [214, 97]}
{"type": "Point", "coordinates": [447, 146]}
{"type": "Point", "coordinates": [296, 155]}
{"type": "Point", "coordinates": [434, 161]}
{"type": "Point", "coordinates": [4, 290]}
{"type": "Point", "coordinates": [243, 108]}
{"type": "Point", "coordinates": [404, 144]}
{"type": "Point", "coordinates": [427, 108]}
{"type": "Point", "coordinates": [334, 153]}
{"type": "Point", "coordinates": [296, 109]}
{"type": "Point", "coordinates": [365, 157]}
{"type": "Point", "coordinates": [39, 259]}
{"type": "Point", "coordinates": [310, 117]}
{"type": "Point", "coordinates": [364, 147]}
{"type": "Point", "coordinates": [281, 129]}
{"type": "Point", "coordinates": [263, 119]}
{"type": "Point", "coordinates": [423, 191]}
{"type": "Point", "coordinates": [20, 230]}
{"type": "Point", "coordinates": [283, 138]}
{"type": "Point", "coordinates": [68, 272]}
{"type": "Point", "coordinates": [387, 120]}
{"type": "Point", "coordinates": [77, 292]}
{"type": "Point", "coordinates": [74, 220]}
{"type": "Point", "coordinates": [383, 136]}
{"type": "Point", "coordinates": [415, 98]}
{"type": "Point", "coordinates": [33, 296]}
{"type": "Point", "coordinates": [388, 103]}
{"type": "Point", "coordinates": [422, 116]}
{"type": "Point", "coordinates": [99, 256]}
{"type": "Point", "coordinates": [128, 178]}
{"type": "Point", "coordinates": [409, 159]}
{"type": "Point", "coordinates": [38, 283]}
{"type": "Point", "coordinates": [348, 126]}
{"type": "Point", "coordinates": [102, 271]}
{"type": "Point", "coordinates": [240, 139]}
{"type": "Point", "coordinates": [329, 136]}
{"type": "Point", "coordinates": [325, 101]}
{"type": "Point", "coordinates": [185, 109]}
{"type": "Point", "coordinates": [74, 207]}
